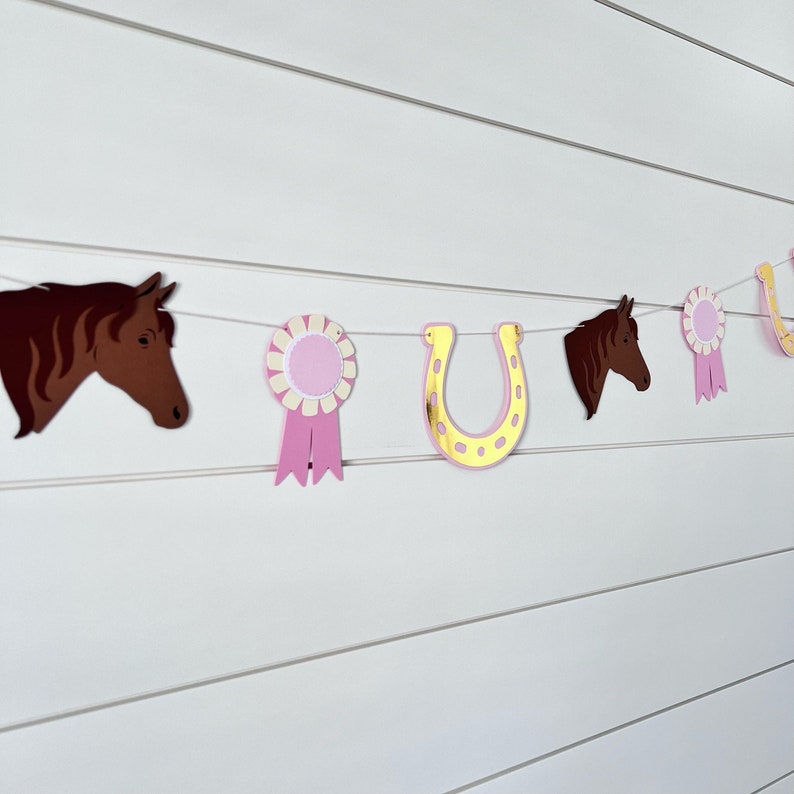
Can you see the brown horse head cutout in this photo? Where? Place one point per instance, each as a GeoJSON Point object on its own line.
{"type": "Point", "coordinates": [54, 336]}
{"type": "Point", "coordinates": [608, 341]}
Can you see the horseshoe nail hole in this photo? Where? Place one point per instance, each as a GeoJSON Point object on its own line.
{"type": "Point", "coordinates": [437, 366]}
{"type": "Point", "coordinates": [434, 399]}
{"type": "Point", "coordinates": [513, 362]}
{"type": "Point", "coordinates": [442, 428]}
{"type": "Point", "coordinates": [500, 442]}
{"type": "Point", "coordinates": [481, 451]}
{"type": "Point", "coordinates": [514, 420]}
{"type": "Point", "coordinates": [460, 447]}
{"type": "Point", "coordinates": [518, 392]}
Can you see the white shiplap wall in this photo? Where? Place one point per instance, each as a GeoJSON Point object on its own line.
{"type": "Point", "coordinates": [117, 138]}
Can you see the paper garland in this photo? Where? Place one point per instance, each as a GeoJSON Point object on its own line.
{"type": "Point", "coordinates": [608, 341]}
{"type": "Point", "coordinates": [311, 366]}
{"type": "Point", "coordinates": [493, 446]}
{"type": "Point", "coordinates": [54, 336]}
{"type": "Point", "coordinates": [703, 323]}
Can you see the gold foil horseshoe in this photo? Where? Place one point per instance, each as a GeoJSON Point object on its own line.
{"type": "Point", "coordinates": [464, 449]}
{"type": "Point", "coordinates": [766, 275]}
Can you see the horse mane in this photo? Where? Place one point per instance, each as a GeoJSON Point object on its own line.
{"type": "Point", "coordinates": [586, 349]}
{"type": "Point", "coordinates": [48, 316]}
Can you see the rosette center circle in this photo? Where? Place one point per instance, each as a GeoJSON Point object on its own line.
{"type": "Point", "coordinates": [313, 365]}
{"type": "Point", "coordinates": [704, 321]}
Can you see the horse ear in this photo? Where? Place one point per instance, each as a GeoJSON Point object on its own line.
{"type": "Point", "coordinates": [148, 286]}
{"type": "Point", "coordinates": [165, 293]}
{"type": "Point", "coordinates": [622, 304]}
{"type": "Point", "coordinates": [629, 308]}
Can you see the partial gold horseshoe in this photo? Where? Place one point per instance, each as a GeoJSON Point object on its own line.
{"type": "Point", "coordinates": [766, 275]}
{"type": "Point", "coordinates": [491, 447]}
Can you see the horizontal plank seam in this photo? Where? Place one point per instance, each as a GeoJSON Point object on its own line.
{"type": "Point", "coordinates": [697, 42]}
{"type": "Point", "coordinates": [773, 783]}
{"type": "Point", "coordinates": [180, 474]}
{"type": "Point", "coordinates": [405, 98]}
{"type": "Point", "coordinates": [264, 267]}
{"type": "Point", "coordinates": [361, 646]}
{"type": "Point", "coordinates": [610, 731]}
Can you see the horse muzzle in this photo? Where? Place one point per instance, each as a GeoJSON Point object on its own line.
{"type": "Point", "coordinates": [174, 417]}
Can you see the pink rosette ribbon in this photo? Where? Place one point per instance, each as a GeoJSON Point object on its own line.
{"type": "Point", "coordinates": [310, 366]}
{"type": "Point", "coordinates": [703, 323]}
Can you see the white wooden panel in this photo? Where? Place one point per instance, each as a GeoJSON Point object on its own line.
{"type": "Point", "coordinates": [759, 32]}
{"type": "Point", "coordinates": [236, 421]}
{"type": "Point", "coordinates": [150, 584]}
{"type": "Point", "coordinates": [732, 743]}
{"type": "Point", "coordinates": [573, 69]}
{"type": "Point", "coordinates": [426, 715]}
{"type": "Point", "coordinates": [144, 143]}
{"type": "Point", "coordinates": [122, 139]}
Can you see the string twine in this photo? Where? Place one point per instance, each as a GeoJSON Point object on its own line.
{"type": "Point", "coordinates": [678, 306]}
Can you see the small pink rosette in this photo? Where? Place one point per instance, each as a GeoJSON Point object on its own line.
{"type": "Point", "coordinates": [310, 366]}
{"type": "Point", "coordinates": [703, 323]}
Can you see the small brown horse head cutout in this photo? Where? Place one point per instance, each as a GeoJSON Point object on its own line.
{"type": "Point", "coordinates": [52, 337]}
{"type": "Point", "coordinates": [608, 341]}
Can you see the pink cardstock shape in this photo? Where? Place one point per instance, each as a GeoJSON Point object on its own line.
{"type": "Point", "coordinates": [703, 326]}
{"type": "Point", "coordinates": [310, 366]}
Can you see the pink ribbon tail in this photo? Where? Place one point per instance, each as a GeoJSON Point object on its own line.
{"type": "Point", "coordinates": [296, 445]}
{"type": "Point", "coordinates": [709, 375]}
{"type": "Point", "coordinates": [305, 437]}
{"type": "Point", "coordinates": [326, 448]}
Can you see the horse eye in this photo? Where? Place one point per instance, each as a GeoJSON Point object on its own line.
{"type": "Point", "coordinates": [144, 340]}
{"type": "Point", "coordinates": [625, 340]}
